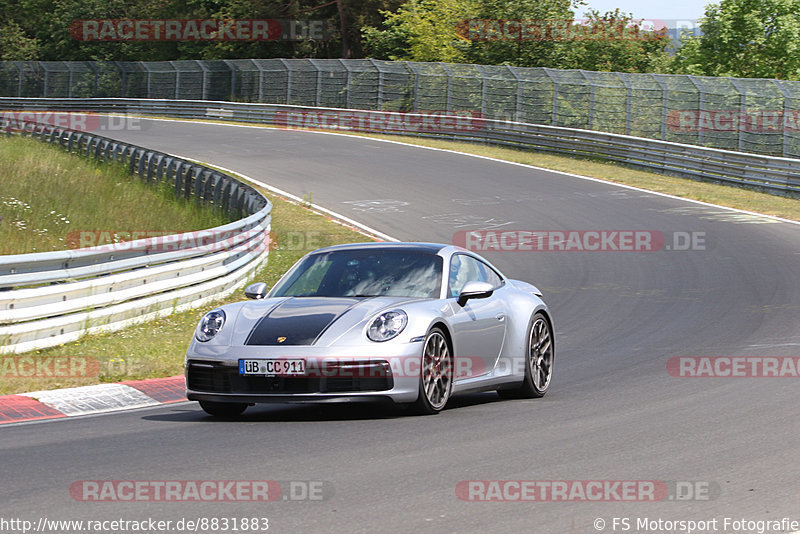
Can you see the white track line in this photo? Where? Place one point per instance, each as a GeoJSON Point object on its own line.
{"type": "Point", "coordinates": [369, 230]}
{"type": "Point", "coordinates": [525, 165]}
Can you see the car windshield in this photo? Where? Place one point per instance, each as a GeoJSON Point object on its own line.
{"type": "Point", "coordinates": [364, 273]}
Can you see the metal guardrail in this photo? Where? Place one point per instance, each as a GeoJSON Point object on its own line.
{"type": "Point", "coordinates": [49, 298]}
{"type": "Point", "coordinates": [771, 174]}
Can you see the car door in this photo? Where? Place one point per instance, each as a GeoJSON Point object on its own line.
{"type": "Point", "coordinates": [479, 327]}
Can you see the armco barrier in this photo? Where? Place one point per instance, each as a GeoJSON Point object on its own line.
{"type": "Point", "coordinates": [51, 298]}
{"type": "Point", "coordinates": [771, 174]}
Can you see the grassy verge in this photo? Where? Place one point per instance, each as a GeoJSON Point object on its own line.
{"type": "Point", "coordinates": [51, 200]}
{"type": "Point", "coordinates": [156, 349]}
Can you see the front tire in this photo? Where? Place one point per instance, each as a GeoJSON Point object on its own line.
{"type": "Point", "coordinates": [540, 354]}
{"type": "Point", "coordinates": [436, 374]}
{"type": "Point", "coordinates": [227, 410]}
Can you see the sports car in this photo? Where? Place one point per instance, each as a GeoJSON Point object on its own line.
{"type": "Point", "coordinates": [411, 323]}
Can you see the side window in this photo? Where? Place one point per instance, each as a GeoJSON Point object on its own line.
{"type": "Point", "coordinates": [465, 269]}
{"type": "Point", "coordinates": [491, 276]}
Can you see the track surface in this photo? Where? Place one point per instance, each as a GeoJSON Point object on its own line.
{"type": "Point", "coordinates": [613, 411]}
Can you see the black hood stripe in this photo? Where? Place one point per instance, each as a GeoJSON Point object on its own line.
{"type": "Point", "coordinates": [300, 320]}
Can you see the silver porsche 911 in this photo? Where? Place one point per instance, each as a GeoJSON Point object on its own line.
{"type": "Point", "coordinates": [413, 323]}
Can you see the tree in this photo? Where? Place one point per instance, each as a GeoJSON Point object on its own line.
{"type": "Point", "coordinates": [615, 42]}
{"type": "Point", "coordinates": [539, 51]}
{"type": "Point", "coordinates": [421, 30]}
{"type": "Point", "coordinates": [15, 45]}
{"type": "Point", "coordinates": [745, 38]}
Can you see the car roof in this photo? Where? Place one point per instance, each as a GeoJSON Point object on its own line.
{"type": "Point", "coordinates": [429, 248]}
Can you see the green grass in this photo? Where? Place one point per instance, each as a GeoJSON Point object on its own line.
{"type": "Point", "coordinates": [156, 348]}
{"type": "Point", "coordinates": [52, 200]}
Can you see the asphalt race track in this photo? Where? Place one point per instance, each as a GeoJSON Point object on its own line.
{"type": "Point", "coordinates": [613, 412]}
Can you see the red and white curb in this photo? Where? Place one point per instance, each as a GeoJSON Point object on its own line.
{"type": "Point", "coordinates": [86, 400]}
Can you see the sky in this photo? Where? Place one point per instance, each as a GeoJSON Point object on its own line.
{"type": "Point", "coordinates": [675, 13]}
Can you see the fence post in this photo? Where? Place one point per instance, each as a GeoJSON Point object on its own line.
{"type": "Point", "coordinates": [147, 69]}
{"type": "Point", "coordinates": [46, 78]}
{"type": "Point", "coordinates": [449, 92]}
{"type": "Point", "coordinates": [19, 79]}
{"type": "Point", "coordinates": [664, 92]}
{"type": "Point", "coordinates": [231, 68]}
{"type": "Point", "coordinates": [742, 111]}
{"type": "Point", "coordinates": [347, 87]}
{"type": "Point", "coordinates": [701, 105]}
{"type": "Point", "coordinates": [483, 90]}
{"type": "Point", "coordinates": [379, 105]}
{"type": "Point", "coordinates": [416, 89]}
{"type": "Point", "coordinates": [554, 113]}
{"type": "Point", "coordinates": [96, 75]}
{"type": "Point", "coordinates": [628, 106]}
{"type": "Point", "coordinates": [288, 80]}
{"type": "Point", "coordinates": [591, 100]}
{"type": "Point", "coordinates": [518, 103]}
{"type": "Point", "coordinates": [786, 111]}
{"type": "Point", "coordinates": [123, 78]}
{"type": "Point", "coordinates": [204, 82]}
{"type": "Point", "coordinates": [69, 79]}
{"type": "Point", "coordinates": [260, 80]}
{"type": "Point", "coordinates": [177, 79]}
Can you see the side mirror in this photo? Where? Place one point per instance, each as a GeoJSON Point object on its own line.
{"type": "Point", "coordinates": [475, 290]}
{"type": "Point", "coordinates": [256, 291]}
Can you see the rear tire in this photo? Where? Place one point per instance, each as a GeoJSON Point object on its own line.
{"type": "Point", "coordinates": [227, 410]}
{"type": "Point", "coordinates": [540, 354]}
{"type": "Point", "coordinates": [436, 374]}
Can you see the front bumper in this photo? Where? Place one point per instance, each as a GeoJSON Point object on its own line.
{"type": "Point", "coordinates": [343, 376]}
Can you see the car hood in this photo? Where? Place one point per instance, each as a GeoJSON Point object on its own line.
{"type": "Point", "coordinates": [307, 320]}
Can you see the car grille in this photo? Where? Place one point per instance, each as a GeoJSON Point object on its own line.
{"type": "Point", "coordinates": [212, 377]}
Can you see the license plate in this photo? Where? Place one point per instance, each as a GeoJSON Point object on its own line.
{"type": "Point", "coordinates": [272, 367]}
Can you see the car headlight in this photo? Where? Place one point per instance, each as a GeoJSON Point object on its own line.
{"type": "Point", "coordinates": [387, 325]}
{"type": "Point", "coordinates": [210, 325]}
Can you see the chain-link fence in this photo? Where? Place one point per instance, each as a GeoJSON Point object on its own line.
{"type": "Point", "coordinates": [750, 115]}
